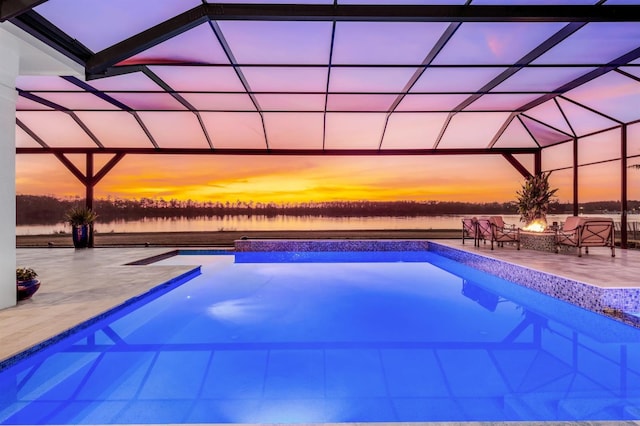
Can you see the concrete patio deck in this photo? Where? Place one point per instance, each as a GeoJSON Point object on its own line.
{"type": "Point", "coordinates": [80, 284]}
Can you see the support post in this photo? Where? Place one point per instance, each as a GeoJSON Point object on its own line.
{"type": "Point", "coordinates": [88, 200]}
{"type": "Point", "coordinates": [89, 180]}
{"type": "Point", "coordinates": [537, 162]}
{"type": "Point", "coordinates": [576, 209]}
{"type": "Point", "coordinates": [9, 52]}
{"type": "Point", "coordinates": [623, 187]}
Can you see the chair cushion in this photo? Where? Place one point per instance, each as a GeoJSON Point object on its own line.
{"type": "Point", "coordinates": [571, 223]}
{"type": "Point", "coordinates": [497, 221]}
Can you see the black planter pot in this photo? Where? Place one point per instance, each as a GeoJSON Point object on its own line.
{"type": "Point", "coordinates": [26, 289]}
{"type": "Point", "coordinates": [81, 236]}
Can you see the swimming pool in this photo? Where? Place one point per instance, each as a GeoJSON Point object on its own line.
{"type": "Point", "coordinates": [333, 337]}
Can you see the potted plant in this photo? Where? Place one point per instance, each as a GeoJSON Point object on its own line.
{"type": "Point", "coordinates": [81, 220]}
{"type": "Point", "coordinates": [26, 282]}
{"type": "Point", "coordinates": [534, 197]}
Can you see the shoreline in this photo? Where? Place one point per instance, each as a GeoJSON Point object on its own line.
{"type": "Point", "coordinates": [225, 238]}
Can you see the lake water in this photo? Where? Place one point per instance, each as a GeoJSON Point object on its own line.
{"type": "Point", "coordinates": [277, 223]}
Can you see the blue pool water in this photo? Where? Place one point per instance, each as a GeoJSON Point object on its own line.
{"type": "Point", "coordinates": [346, 337]}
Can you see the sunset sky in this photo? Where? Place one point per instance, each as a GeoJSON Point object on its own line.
{"type": "Point", "coordinates": [298, 179]}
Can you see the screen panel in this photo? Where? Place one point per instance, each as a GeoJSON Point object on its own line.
{"type": "Point", "coordinates": [23, 103]}
{"type": "Point", "coordinates": [197, 46]}
{"type": "Point", "coordinates": [557, 156]}
{"type": "Point", "coordinates": [360, 102]}
{"type": "Point", "coordinates": [633, 160]}
{"type": "Point", "coordinates": [354, 130]}
{"type": "Point", "coordinates": [632, 70]}
{"type": "Point", "coordinates": [135, 81]}
{"type": "Point", "coordinates": [540, 79]}
{"type": "Point", "coordinates": [582, 120]}
{"type": "Point", "coordinates": [235, 130]}
{"type": "Point", "coordinates": [595, 43]}
{"type": "Point", "coordinates": [373, 80]}
{"type": "Point", "coordinates": [200, 79]}
{"type": "Point", "coordinates": [23, 140]}
{"type": "Point", "coordinates": [600, 147]}
{"type": "Point", "coordinates": [527, 160]}
{"type": "Point", "coordinates": [378, 43]}
{"type": "Point", "coordinates": [550, 114]}
{"type": "Point", "coordinates": [562, 180]}
{"type": "Point", "coordinates": [45, 82]}
{"type": "Point", "coordinates": [515, 136]}
{"type": "Point", "coordinates": [78, 101]}
{"type": "Point", "coordinates": [543, 134]}
{"type": "Point", "coordinates": [498, 43]}
{"type": "Point", "coordinates": [278, 42]}
{"type": "Point", "coordinates": [436, 103]}
{"type": "Point", "coordinates": [294, 130]}
{"type": "Point", "coordinates": [56, 129]}
{"type": "Point", "coordinates": [175, 129]}
{"type": "Point", "coordinates": [501, 102]}
{"type": "Point", "coordinates": [283, 79]}
{"type": "Point", "coordinates": [115, 129]}
{"type": "Point", "coordinates": [412, 131]}
{"type": "Point", "coordinates": [92, 21]}
{"type": "Point", "coordinates": [458, 80]}
{"type": "Point", "coordinates": [534, 2]}
{"type": "Point", "coordinates": [484, 126]}
{"type": "Point", "coordinates": [220, 101]}
{"type": "Point", "coordinates": [148, 101]}
{"type": "Point", "coordinates": [392, 2]}
{"type": "Point", "coordinates": [612, 94]}
{"type": "Point", "coordinates": [599, 182]}
{"type": "Point", "coordinates": [633, 141]}
{"type": "Point", "coordinates": [291, 102]}
{"type": "Point", "coordinates": [277, 1]}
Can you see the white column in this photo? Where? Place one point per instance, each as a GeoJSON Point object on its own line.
{"type": "Point", "coordinates": [9, 66]}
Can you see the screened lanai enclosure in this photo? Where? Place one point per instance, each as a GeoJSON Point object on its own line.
{"type": "Point", "coordinates": [547, 85]}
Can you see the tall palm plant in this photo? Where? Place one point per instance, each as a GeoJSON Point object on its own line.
{"type": "Point", "coordinates": [534, 197]}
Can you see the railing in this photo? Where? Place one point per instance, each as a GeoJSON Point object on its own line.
{"type": "Point", "coordinates": [633, 229]}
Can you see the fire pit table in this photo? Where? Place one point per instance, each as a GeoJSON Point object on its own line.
{"type": "Point", "coordinates": [541, 241]}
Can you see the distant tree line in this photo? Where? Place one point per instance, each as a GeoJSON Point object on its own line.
{"type": "Point", "coordinates": [36, 209]}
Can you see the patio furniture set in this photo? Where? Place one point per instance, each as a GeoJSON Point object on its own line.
{"type": "Point", "coordinates": [576, 232]}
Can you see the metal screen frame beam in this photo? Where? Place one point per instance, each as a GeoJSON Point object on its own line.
{"type": "Point", "coordinates": [282, 152]}
{"type": "Point", "coordinates": [624, 206]}
{"type": "Point", "coordinates": [101, 61]}
{"type": "Point", "coordinates": [517, 165]}
{"type": "Point", "coordinates": [11, 8]}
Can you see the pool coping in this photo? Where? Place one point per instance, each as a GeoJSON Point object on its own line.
{"type": "Point", "coordinates": [148, 295]}
{"type": "Point", "coordinates": [616, 303]}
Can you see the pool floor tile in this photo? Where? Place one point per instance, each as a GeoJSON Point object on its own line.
{"type": "Point", "coordinates": [355, 373]}
{"type": "Point", "coordinates": [295, 373]}
{"type": "Point", "coordinates": [413, 373]}
{"type": "Point", "coordinates": [236, 374]}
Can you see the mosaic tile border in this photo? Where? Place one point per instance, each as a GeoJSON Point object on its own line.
{"type": "Point", "coordinates": [613, 302]}
{"type": "Point", "coordinates": [330, 245]}
{"type": "Point", "coordinates": [149, 295]}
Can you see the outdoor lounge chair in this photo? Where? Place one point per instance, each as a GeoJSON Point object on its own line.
{"type": "Point", "coordinates": [495, 230]}
{"type": "Point", "coordinates": [470, 229]}
{"type": "Point", "coordinates": [586, 232]}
